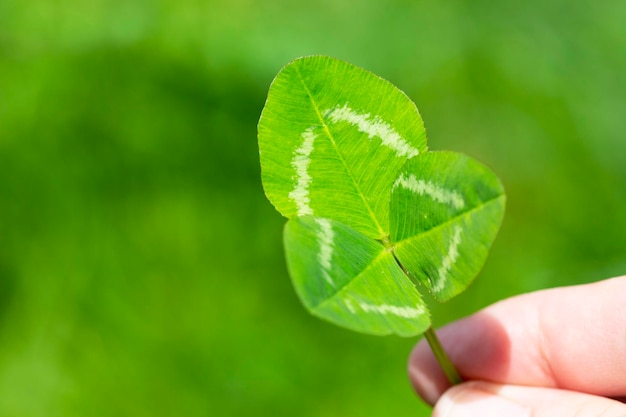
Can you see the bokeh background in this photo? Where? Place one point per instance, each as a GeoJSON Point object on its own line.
{"type": "Point", "coordinates": [141, 267]}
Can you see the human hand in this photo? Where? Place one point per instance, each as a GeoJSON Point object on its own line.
{"type": "Point", "coordinates": [557, 352]}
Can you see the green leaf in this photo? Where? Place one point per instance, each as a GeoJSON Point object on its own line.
{"type": "Point", "coordinates": [446, 209]}
{"type": "Point", "coordinates": [332, 139]}
{"type": "Point", "coordinates": [347, 278]}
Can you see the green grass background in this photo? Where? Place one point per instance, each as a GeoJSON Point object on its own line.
{"type": "Point", "coordinates": [141, 267]}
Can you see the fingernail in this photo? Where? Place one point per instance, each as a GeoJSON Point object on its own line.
{"type": "Point", "coordinates": [466, 401]}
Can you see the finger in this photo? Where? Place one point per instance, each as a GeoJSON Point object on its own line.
{"type": "Point", "coordinates": [571, 338]}
{"type": "Point", "coordinates": [491, 400]}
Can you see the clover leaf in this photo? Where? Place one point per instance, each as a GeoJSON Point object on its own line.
{"type": "Point", "coordinates": [332, 139]}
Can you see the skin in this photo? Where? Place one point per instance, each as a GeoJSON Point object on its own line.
{"type": "Point", "coordinates": [557, 352]}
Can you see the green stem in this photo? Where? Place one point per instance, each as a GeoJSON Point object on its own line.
{"type": "Point", "coordinates": [444, 361]}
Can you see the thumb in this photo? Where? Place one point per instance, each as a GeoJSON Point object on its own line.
{"type": "Point", "coordinates": [493, 400]}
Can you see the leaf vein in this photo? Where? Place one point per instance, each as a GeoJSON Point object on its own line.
{"type": "Point", "coordinates": [449, 221]}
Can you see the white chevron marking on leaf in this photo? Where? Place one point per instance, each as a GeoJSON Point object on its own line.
{"type": "Point", "coordinates": [373, 126]}
{"type": "Point", "coordinates": [325, 239]}
{"type": "Point", "coordinates": [436, 192]}
{"type": "Point", "coordinates": [449, 259]}
{"type": "Point", "coordinates": [300, 162]}
{"type": "Point", "coordinates": [384, 309]}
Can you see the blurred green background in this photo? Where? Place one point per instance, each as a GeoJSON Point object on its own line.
{"type": "Point", "coordinates": [141, 267]}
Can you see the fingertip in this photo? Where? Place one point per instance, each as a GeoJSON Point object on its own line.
{"type": "Point", "coordinates": [477, 399]}
{"type": "Point", "coordinates": [485, 399]}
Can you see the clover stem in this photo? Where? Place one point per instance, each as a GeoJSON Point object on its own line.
{"type": "Point", "coordinates": [442, 357]}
